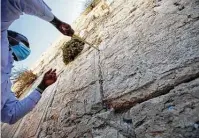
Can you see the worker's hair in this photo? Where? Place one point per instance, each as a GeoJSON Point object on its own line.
{"type": "Point", "coordinates": [18, 37]}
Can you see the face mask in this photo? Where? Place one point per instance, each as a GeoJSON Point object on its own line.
{"type": "Point", "coordinates": [20, 51]}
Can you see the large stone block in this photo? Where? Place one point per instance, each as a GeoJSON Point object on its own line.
{"type": "Point", "coordinates": [160, 50]}
{"type": "Point", "coordinates": [172, 115]}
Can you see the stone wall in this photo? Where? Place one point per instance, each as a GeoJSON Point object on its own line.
{"type": "Point", "coordinates": [144, 82]}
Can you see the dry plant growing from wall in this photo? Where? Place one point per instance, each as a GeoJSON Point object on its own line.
{"type": "Point", "coordinates": [89, 5]}
{"type": "Point", "coordinates": [21, 82]}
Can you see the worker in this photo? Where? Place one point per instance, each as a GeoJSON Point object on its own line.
{"type": "Point", "coordinates": [13, 109]}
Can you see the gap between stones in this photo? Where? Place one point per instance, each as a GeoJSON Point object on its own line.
{"type": "Point", "coordinates": [131, 133]}
{"type": "Point", "coordinates": [126, 105]}
{"type": "Point", "coordinates": [101, 81]}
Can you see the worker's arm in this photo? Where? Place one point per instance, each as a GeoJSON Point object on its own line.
{"type": "Point", "coordinates": [40, 9]}
{"type": "Point", "coordinates": [15, 109]}
{"type": "Point", "coordinates": [35, 7]}
{"type": "Point", "coordinates": [4, 56]}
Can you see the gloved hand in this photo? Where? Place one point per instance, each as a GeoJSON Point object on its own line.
{"type": "Point", "coordinates": [49, 78]}
{"type": "Point", "coordinates": [66, 29]}
{"type": "Point", "coordinates": [63, 27]}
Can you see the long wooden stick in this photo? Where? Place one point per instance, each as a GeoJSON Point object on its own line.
{"type": "Point", "coordinates": [81, 39]}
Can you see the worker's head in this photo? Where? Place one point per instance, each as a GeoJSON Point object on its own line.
{"type": "Point", "coordinates": [19, 45]}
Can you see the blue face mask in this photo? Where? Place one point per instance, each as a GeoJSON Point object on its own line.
{"type": "Point", "coordinates": [21, 51]}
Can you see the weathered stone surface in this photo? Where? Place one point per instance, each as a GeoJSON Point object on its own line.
{"type": "Point", "coordinates": [8, 131]}
{"type": "Point", "coordinates": [31, 123]}
{"type": "Point", "coordinates": [142, 83]}
{"type": "Point", "coordinates": [172, 115]}
{"type": "Point", "coordinates": [159, 51]}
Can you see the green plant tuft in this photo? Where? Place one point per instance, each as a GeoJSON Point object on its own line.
{"type": "Point", "coordinates": [71, 50]}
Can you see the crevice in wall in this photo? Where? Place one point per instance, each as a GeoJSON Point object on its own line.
{"type": "Point", "coordinates": [123, 106]}
{"type": "Point", "coordinates": [101, 80]}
